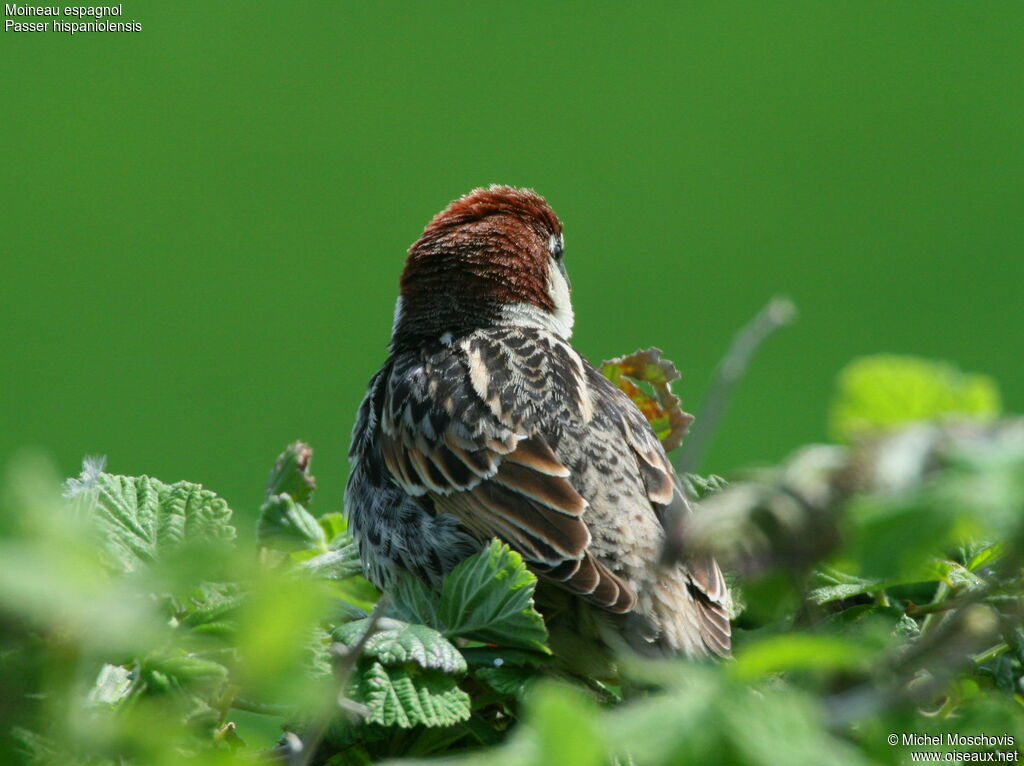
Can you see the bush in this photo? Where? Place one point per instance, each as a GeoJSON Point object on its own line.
{"type": "Point", "coordinates": [877, 582]}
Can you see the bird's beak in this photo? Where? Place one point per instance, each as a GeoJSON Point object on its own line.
{"type": "Point", "coordinates": [565, 274]}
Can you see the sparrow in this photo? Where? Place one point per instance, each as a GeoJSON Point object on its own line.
{"type": "Point", "coordinates": [484, 422]}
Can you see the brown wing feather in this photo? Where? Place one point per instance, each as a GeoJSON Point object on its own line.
{"type": "Point", "coordinates": [565, 535]}
{"type": "Point", "coordinates": [458, 473]}
{"type": "Point", "coordinates": [553, 543]}
{"type": "Point", "coordinates": [479, 461]}
{"type": "Point", "coordinates": [536, 454]}
{"type": "Point", "coordinates": [592, 580]}
{"type": "Point", "coordinates": [554, 492]}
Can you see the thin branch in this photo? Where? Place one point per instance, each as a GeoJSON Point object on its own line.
{"type": "Point", "coordinates": [300, 752]}
{"type": "Point", "coordinates": [919, 610]}
{"type": "Point", "coordinates": [991, 653]}
{"type": "Point", "coordinates": [777, 313]}
{"type": "Point", "coordinates": [262, 708]}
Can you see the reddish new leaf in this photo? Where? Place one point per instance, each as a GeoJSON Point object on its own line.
{"type": "Point", "coordinates": [662, 408]}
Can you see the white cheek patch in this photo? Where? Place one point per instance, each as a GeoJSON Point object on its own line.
{"type": "Point", "coordinates": [559, 320]}
{"type": "Point", "coordinates": [558, 292]}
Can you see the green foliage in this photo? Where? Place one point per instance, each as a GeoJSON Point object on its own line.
{"type": "Point", "coordinates": [339, 564]}
{"type": "Point", "coordinates": [397, 697]}
{"type": "Point", "coordinates": [286, 525]}
{"type": "Point", "coordinates": [876, 393]}
{"type": "Point", "coordinates": [204, 639]}
{"type": "Point", "coordinates": [837, 585]}
{"type": "Point", "coordinates": [397, 643]}
{"type": "Point", "coordinates": [567, 731]}
{"type": "Point", "coordinates": [291, 474]}
{"type": "Point", "coordinates": [138, 519]}
{"type": "Point", "coordinates": [699, 487]}
{"type": "Point", "coordinates": [883, 579]}
{"type": "Point", "coordinates": [489, 598]}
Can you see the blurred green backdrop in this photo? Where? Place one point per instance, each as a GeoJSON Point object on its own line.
{"type": "Point", "coordinates": [203, 223]}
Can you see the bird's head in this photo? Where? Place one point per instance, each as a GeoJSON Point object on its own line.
{"type": "Point", "coordinates": [493, 257]}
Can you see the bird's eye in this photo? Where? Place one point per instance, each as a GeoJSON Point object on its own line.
{"type": "Point", "coordinates": [556, 245]}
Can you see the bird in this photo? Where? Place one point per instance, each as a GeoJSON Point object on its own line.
{"type": "Point", "coordinates": [484, 422]}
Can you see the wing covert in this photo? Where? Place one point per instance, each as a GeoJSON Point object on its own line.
{"type": "Point", "coordinates": [450, 429]}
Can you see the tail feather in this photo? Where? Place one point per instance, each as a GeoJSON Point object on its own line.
{"type": "Point", "coordinates": [683, 618]}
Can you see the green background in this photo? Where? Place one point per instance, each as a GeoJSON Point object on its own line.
{"type": "Point", "coordinates": [203, 223]}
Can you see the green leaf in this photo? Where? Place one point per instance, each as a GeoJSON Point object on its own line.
{"type": "Point", "coordinates": [356, 593]}
{"type": "Point", "coordinates": [186, 671]}
{"type": "Point", "coordinates": [876, 393]}
{"type": "Point", "coordinates": [336, 564]}
{"type": "Point", "coordinates": [508, 679]}
{"type": "Point", "coordinates": [398, 643]}
{"type": "Point", "coordinates": [829, 593]}
{"type": "Point", "coordinates": [212, 609]}
{"type": "Point", "coordinates": [986, 557]}
{"type": "Point", "coordinates": [415, 600]}
{"type": "Point", "coordinates": [141, 518]}
{"type": "Point", "coordinates": [907, 627]}
{"type": "Point", "coordinates": [286, 525]}
{"type": "Point", "coordinates": [353, 755]}
{"type": "Point", "coordinates": [398, 697]}
{"type": "Point", "coordinates": [783, 726]}
{"type": "Point", "coordinates": [956, 575]}
{"type": "Point", "coordinates": [837, 586]}
{"type": "Point", "coordinates": [489, 598]}
{"type": "Point", "coordinates": [290, 475]}
{"type": "Point", "coordinates": [896, 539]}
{"type": "Point", "coordinates": [37, 749]}
{"type": "Point", "coordinates": [699, 487]}
{"type": "Point", "coordinates": [500, 656]}
{"type": "Point", "coordinates": [566, 728]}
{"type": "Point", "coordinates": [335, 526]}
{"type": "Point", "coordinates": [798, 651]}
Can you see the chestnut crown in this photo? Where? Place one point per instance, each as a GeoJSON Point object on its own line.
{"type": "Point", "coordinates": [492, 257]}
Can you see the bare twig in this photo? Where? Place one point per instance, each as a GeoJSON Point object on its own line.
{"type": "Point", "coordinates": [300, 752]}
{"type": "Point", "coordinates": [778, 312]}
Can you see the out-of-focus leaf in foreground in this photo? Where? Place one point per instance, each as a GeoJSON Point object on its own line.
{"type": "Point", "coordinates": [56, 571]}
{"type": "Point", "coordinates": [877, 393]}
{"type": "Point", "coordinates": [566, 727]}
